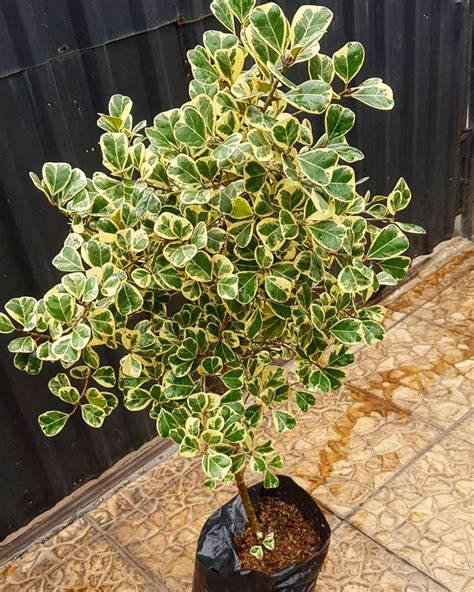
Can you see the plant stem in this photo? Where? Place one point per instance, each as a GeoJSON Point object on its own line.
{"type": "Point", "coordinates": [248, 507]}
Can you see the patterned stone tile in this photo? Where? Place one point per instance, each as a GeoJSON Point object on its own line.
{"type": "Point", "coordinates": [161, 535]}
{"type": "Point", "coordinates": [132, 496]}
{"type": "Point", "coordinates": [349, 445]}
{"type": "Point", "coordinates": [42, 557]}
{"type": "Point", "coordinates": [96, 566]}
{"type": "Point", "coordinates": [357, 564]}
{"type": "Point", "coordinates": [453, 308]}
{"type": "Point", "coordinates": [465, 429]}
{"type": "Point", "coordinates": [422, 368]}
{"type": "Point", "coordinates": [429, 283]}
{"type": "Point", "coordinates": [426, 514]}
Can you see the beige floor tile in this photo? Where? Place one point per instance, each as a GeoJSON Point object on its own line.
{"type": "Point", "coordinates": [357, 564]}
{"type": "Point", "coordinates": [453, 308]}
{"type": "Point", "coordinates": [349, 445]}
{"type": "Point", "coordinates": [98, 566]}
{"type": "Point", "coordinates": [162, 534]}
{"type": "Point", "coordinates": [465, 428]}
{"type": "Point", "coordinates": [42, 557]}
{"type": "Point", "coordinates": [429, 283]}
{"type": "Point", "coordinates": [426, 514]}
{"type": "Point", "coordinates": [420, 367]}
{"type": "Point", "coordinates": [132, 496]}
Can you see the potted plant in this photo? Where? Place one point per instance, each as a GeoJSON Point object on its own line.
{"type": "Point", "coordinates": [231, 203]}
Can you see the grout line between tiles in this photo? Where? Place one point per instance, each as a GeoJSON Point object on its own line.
{"type": "Point", "coordinates": [402, 559]}
{"type": "Point", "coordinates": [124, 551]}
{"type": "Point", "coordinates": [440, 436]}
{"type": "Point", "coordinates": [63, 560]}
{"type": "Point", "coordinates": [450, 431]}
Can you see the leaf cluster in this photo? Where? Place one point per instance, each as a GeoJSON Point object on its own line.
{"type": "Point", "coordinates": [231, 204]}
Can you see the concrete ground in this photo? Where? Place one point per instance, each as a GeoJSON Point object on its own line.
{"type": "Point", "coordinates": [389, 457]}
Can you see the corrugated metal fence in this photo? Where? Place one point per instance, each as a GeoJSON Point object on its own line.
{"type": "Point", "coordinates": [60, 60]}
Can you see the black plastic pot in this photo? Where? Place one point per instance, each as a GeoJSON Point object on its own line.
{"type": "Point", "coordinates": [217, 563]}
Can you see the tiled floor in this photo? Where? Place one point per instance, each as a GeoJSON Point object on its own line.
{"type": "Point", "coordinates": [389, 457]}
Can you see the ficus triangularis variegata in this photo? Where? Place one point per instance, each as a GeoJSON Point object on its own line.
{"type": "Point", "coordinates": [231, 203]}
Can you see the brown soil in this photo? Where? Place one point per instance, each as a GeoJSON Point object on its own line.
{"type": "Point", "coordinates": [295, 537]}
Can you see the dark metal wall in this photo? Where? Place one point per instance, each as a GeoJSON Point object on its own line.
{"type": "Point", "coordinates": [60, 60]}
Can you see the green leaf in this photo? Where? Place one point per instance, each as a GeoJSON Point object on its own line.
{"type": "Point", "coordinates": [318, 380]}
{"type": "Point", "coordinates": [247, 286]}
{"type": "Point", "coordinates": [338, 121]}
{"type": "Point", "coordinates": [388, 242]}
{"type": "Point", "coordinates": [200, 268]}
{"type": "Point", "coordinates": [211, 365]}
{"type": "Point", "coordinates": [165, 423]}
{"type": "Point", "coordinates": [328, 234]}
{"type": "Point", "coordinates": [254, 176]}
{"type": "Point", "coordinates": [74, 284]}
{"type": "Point", "coordinates": [318, 165]}
{"type": "Point", "coordinates": [191, 129]}
{"type": "Point", "coordinates": [56, 176]}
{"type": "Point", "coordinates": [61, 307]}
{"type": "Point", "coordinates": [399, 198]}
{"type": "Point", "coordinates": [221, 10]}
{"type": "Point", "coordinates": [312, 96]}
{"type": "Point", "coordinates": [214, 40]}
{"type": "Point", "coordinates": [342, 185]}
{"type": "Point", "coordinates": [216, 465]}
{"type": "Point", "coordinates": [374, 93]}
{"type": "Point", "coordinates": [372, 332]}
{"type": "Point", "coordinates": [352, 279]}
{"type": "Point", "coordinates": [256, 551]}
{"type": "Point", "coordinates": [228, 287]}
{"type": "Point", "coordinates": [283, 421]}
{"type": "Point", "coordinates": [309, 25]}
{"type": "Point", "coordinates": [58, 382]}
{"type": "Point", "coordinates": [69, 394]}
{"type": "Point", "coordinates": [269, 541]}
{"type": "Point", "coordinates": [269, 230]}
{"type": "Point", "coordinates": [189, 446]}
{"type": "Point", "coordinates": [115, 152]}
{"type": "Point", "coordinates": [396, 267]}
{"type": "Point", "coordinates": [241, 8]}
{"type": "Point", "coordinates": [102, 322]}
{"type": "Point", "coordinates": [178, 255]}
{"type": "Point", "coordinates": [80, 336]}
{"type": "Point", "coordinates": [226, 149]}
{"type": "Point", "coordinates": [348, 331]}
{"type": "Point", "coordinates": [286, 132]}
{"type": "Point", "coordinates": [6, 326]}
{"type": "Point", "coordinates": [348, 60]}
{"type": "Point", "coordinates": [52, 422]}
{"type": "Point", "coordinates": [411, 228]}
{"type": "Point", "coordinates": [96, 253]}
{"type": "Point", "coordinates": [105, 376]}
{"type": "Point", "coordinates": [271, 25]}
{"type": "Point", "coordinates": [229, 63]}
{"type": "Point", "coordinates": [64, 350]}
{"type": "Point", "coordinates": [183, 170]}
{"type": "Point", "coordinates": [128, 299]}
{"type": "Point", "coordinates": [24, 345]}
{"type": "Point", "coordinates": [93, 416]}
{"type": "Point", "coordinates": [321, 67]}
{"type": "Point", "coordinates": [21, 309]}
{"type": "Point", "coordinates": [241, 209]}
{"type": "Point", "coordinates": [137, 399]}
{"type": "Point", "coordinates": [304, 400]}
{"type": "Point", "coordinates": [278, 288]}
{"type": "Point", "coordinates": [68, 260]}
{"type": "Point", "coordinates": [178, 388]}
